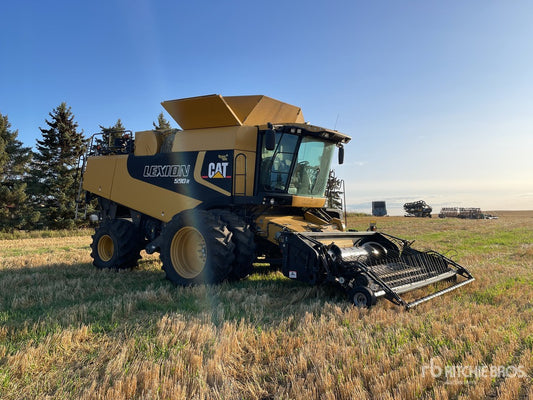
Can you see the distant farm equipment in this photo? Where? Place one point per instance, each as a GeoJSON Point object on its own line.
{"type": "Point", "coordinates": [418, 209]}
{"type": "Point", "coordinates": [465, 213]}
{"type": "Point", "coordinates": [379, 209]}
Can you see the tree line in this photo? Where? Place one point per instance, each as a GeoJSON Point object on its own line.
{"type": "Point", "coordinates": [39, 187]}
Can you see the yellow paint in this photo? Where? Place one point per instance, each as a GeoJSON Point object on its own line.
{"type": "Point", "coordinates": [311, 202]}
{"type": "Point", "coordinates": [228, 138]}
{"type": "Point", "coordinates": [314, 219]}
{"type": "Point", "coordinates": [270, 225]}
{"type": "Point", "coordinates": [108, 177]}
{"type": "Point", "coordinates": [147, 143]}
{"type": "Point", "coordinates": [217, 111]}
{"type": "Point", "coordinates": [258, 110]}
{"type": "Point", "coordinates": [243, 173]}
{"type": "Point", "coordinates": [98, 176]}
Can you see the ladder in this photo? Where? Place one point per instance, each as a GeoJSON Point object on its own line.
{"type": "Point", "coordinates": [82, 164]}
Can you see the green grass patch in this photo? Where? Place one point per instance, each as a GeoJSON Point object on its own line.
{"type": "Point", "coordinates": [17, 252]}
{"type": "Point", "coordinates": [20, 234]}
{"type": "Point", "coordinates": [502, 291]}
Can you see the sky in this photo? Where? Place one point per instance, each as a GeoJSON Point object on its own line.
{"type": "Point", "coordinates": [436, 95]}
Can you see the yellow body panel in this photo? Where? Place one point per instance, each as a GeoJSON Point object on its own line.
{"type": "Point", "coordinates": [258, 110]}
{"type": "Point", "coordinates": [140, 195]}
{"type": "Point", "coordinates": [270, 225]}
{"type": "Point", "coordinates": [226, 138]}
{"type": "Point", "coordinates": [217, 111]}
{"type": "Point", "coordinates": [201, 112]}
{"type": "Point", "coordinates": [98, 177]}
{"type": "Point", "coordinates": [147, 143]}
{"type": "Point", "coordinates": [312, 202]}
{"type": "Point", "coordinates": [242, 106]}
{"type": "Point", "coordinates": [309, 216]}
{"type": "Point", "coordinates": [108, 177]}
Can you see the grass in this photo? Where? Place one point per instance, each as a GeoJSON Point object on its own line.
{"type": "Point", "coordinates": [44, 234]}
{"type": "Point", "coordinates": [68, 330]}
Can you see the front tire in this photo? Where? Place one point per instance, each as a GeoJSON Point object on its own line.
{"type": "Point", "coordinates": [117, 243]}
{"type": "Point", "coordinates": [243, 238]}
{"type": "Point", "coordinates": [196, 248]}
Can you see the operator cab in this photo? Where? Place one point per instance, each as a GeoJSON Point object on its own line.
{"type": "Point", "coordinates": [298, 162]}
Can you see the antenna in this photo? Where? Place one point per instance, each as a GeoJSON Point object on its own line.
{"type": "Point", "coordinates": [336, 120]}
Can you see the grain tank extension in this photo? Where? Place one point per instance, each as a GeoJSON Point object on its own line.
{"type": "Point", "coordinates": [245, 178]}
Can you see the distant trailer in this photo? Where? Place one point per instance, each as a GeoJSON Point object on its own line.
{"type": "Point", "coordinates": [379, 209]}
{"type": "Point", "coordinates": [470, 213]}
{"type": "Point", "coordinates": [449, 212]}
{"type": "Point", "coordinates": [461, 212]}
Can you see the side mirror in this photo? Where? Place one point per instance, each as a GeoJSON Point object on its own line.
{"type": "Point", "coordinates": [341, 155]}
{"type": "Point", "coordinates": [270, 139]}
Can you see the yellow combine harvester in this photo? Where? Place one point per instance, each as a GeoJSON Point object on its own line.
{"type": "Point", "coordinates": [245, 177]}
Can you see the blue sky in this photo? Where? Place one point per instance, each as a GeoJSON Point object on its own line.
{"type": "Point", "coordinates": [437, 95]}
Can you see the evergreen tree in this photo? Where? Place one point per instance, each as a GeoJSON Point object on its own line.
{"type": "Point", "coordinates": [112, 133]}
{"type": "Point", "coordinates": [334, 191]}
{"type": "Point", "coordinates": [55, 169]}
{"type": "Point", "coordinates": [162, 124]}
{"type": "Point", "coordinates": [14, 165]}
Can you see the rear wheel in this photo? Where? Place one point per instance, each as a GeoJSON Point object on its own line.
{"type": "Point", "coordinates": [196, 248]}
{"type": "Point", "coordinates": [117, 243]}
{"type": "Point", "coordinates": [243, 238]}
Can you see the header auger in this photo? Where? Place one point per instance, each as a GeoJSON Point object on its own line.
{"type": "Point", "coordinates": [245, 177]}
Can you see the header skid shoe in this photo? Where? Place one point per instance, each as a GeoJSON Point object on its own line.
{"type": "Point", "coordinates": [368, 265]}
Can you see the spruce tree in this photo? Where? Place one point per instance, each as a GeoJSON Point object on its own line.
{"type": "Point", "coordinates": [162, 124]}
{"type": "Point", "coordinates": [55, 169]}
{"type": "Point", "coordinates": [14, 166]}
{"type": "Point", "coordinates": [112, 133]}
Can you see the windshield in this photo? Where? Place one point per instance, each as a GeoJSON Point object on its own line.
{"type": "Point", "coordinates": [309, 165]}
{"type": "Point", "coordinates": [312, 168]}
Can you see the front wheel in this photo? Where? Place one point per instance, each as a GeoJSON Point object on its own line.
{"type": "Point", "coordinates": [196, 248]}
{"type": "Point", "coordinates": [243, 239]}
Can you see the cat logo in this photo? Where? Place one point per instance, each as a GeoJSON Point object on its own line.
{"type": "Point", "coordinates": [217, 170]}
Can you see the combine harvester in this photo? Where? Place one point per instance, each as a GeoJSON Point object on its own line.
{"type": "Point", "coordinates": [244, 178]}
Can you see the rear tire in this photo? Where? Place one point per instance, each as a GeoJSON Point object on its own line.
{"type": "Point", "coordinates": [117, 243]}
{"type": "Point", "coordinates": [243, 238]}
{"type": "Point", "coordinates": [196, 248]}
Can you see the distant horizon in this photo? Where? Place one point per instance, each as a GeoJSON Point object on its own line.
{"type": "Point", "coordinates": [400, 212]}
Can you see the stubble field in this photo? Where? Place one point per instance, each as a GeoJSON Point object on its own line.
{"type": "Point", "coordinates": [69, 331]}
